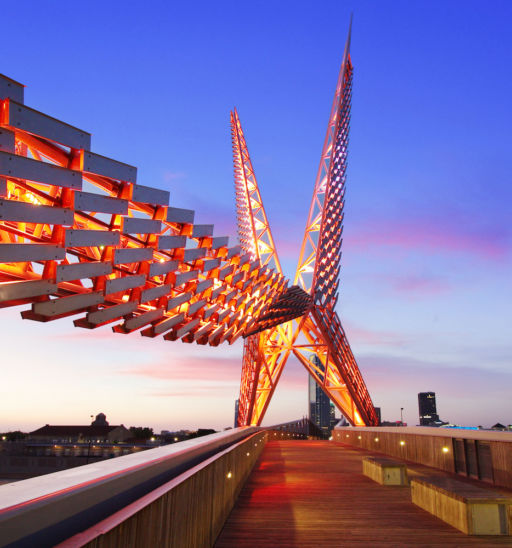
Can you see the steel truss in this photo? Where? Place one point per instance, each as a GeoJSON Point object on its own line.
{"type": "Point", "coordinates": [318, 331]}
{"type": "Point", "coordinates": [79, 237]}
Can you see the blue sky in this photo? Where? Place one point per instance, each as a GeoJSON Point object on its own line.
{"type": "Point", "coordinates": [426, 268]}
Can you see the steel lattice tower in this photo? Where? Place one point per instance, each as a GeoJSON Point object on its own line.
{"type": "Point", "coordinates": [318, 331]}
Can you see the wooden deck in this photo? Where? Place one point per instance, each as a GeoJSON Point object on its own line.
{"type": "Point", "coordinates": [313, 493]}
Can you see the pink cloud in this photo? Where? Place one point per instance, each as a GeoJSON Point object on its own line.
{"type": "Point", "coordinates": [433, 237]}
{"type": "Point", "coordinates": [358, 335]}
{"type": "Point", "coordinates": [466, 393]}
{"type": "Point", "coordinates": [419, 286]}
{"type": "Point", "coordinates": [102, 333]}
{"type": "Point", "coordinates": [196, 391]}
{"type": "Point", "coordinates": [410, 375]}
{"type": "Point", "coordinates": [190, 368]}
{"type": "Point", "coordinates": [206, 373]}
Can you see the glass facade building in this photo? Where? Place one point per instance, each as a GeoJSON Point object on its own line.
{"type": "Point", "coordinates": [427, 408]}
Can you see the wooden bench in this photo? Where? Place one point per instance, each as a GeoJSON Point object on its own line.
{"type": "Point", "coordinates": [471, 509]}
{"type": "Point", "coordinates": [385, 471]}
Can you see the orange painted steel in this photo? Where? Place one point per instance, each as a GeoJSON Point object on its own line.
{"type": "Point", "coordinates": [318, 332]}
{"type": "Point", "coordinates": [261, 364]}
{"type": "Point", "coordinates": [79, 237]}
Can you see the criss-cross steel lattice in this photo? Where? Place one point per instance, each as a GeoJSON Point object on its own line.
{"type": "Point", "coordinates": [261, 359]}
{"type": "Point", "coordinates": [318, 331]}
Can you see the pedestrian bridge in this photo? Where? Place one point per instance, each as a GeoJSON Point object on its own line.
{"type": "Point", "coordinates": [254, 487]}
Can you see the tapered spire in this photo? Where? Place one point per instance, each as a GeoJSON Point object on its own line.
{"type": "Point", "coordinates": [253, 228]}
{"type": "Point", "coordinates": [318, 267]}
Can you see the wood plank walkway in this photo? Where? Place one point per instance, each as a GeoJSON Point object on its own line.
{"type": "Point", "coordinates": [313, 493]}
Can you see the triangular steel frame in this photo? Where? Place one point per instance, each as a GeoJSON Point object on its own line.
{"type": "Point", "coordinates": [319, 331]}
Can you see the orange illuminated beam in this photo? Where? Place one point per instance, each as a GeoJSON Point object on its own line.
{"type": "Point", "coordinates": [317, 339]}
{"type": "Point", "coordinates": [112, 253]}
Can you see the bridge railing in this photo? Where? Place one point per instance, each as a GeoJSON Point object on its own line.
{"type": "Point", "coordinates": [478, 454]}
{"type": "Point", "coordinates": [180, 491]}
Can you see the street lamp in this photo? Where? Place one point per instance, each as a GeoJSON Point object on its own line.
{"type": "Point", "coordinates": [401, 416]}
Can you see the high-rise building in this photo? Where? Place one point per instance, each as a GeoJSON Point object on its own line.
{"type": "Point", "coordinates": [427, 408]}
{"type": "Point", "coordinates": [321, 409]}
{"type": "Point", "coordinates": [377, 411]}
{"type": "Point", "coordinates": [237, 402]}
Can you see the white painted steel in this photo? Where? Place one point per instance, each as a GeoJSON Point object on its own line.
{"type": "Point", "coordinates": [149, 195]}
{"type": "Point", "coordinates": [193, 308]}
{"type": "Point", "coordinates": [101, 165]}
{"type": "Point", "coordinates": [88, 201]}
{"type": "Point", "coordinates": [12, 165]}
{"type": "Point", "coordinates": [209, 311]}
{"type": "Point", "coordinates": [202, 231]}
{"type": "Point", "coordinates": [210, 264]}
{"type": "Point", "coordinates": [134, 225]}
{"type": "Point", "coordinates": [179, 299]}
{"type": "Point", "coordinates": [164, 326]}
{"type": "Point", "coordinates": [194, 254]}
{"type": "Point", "coordinates": [17, 253]}
{"type": "Point", "coordinates": [91, 238]}
{"type": "Point", "coordinates": [184, 277]}
{"type": "Point", "coordinates": [232, 251]}
{"type": "Point", "coordinates": [10, 89]}
{"type": "Point", "coordinates": [24, 212]}
{"type": "Point", "coordinates": [23, 290]}
{"type": "Point", "coordinates": [171, 242]}
{"type": "Point", "coordinates": [226, 271]}
{"type": "Point", "coordinates": [186, 328]}
{"type": "Point", "coordinates": [78, 271]}
{"type": "Point", "coordinates": [124, 283]}
{"type": "Point", "coordinates": [178, 215]}
{"type": "Point", "coordinates": [133, 255]}
{"type": "Point", "coordinates": [203, 286]}
{"type": "Point", "coordinates": [143, 319]}
{"type": "Point", "coordinates": [220, 241]}
{"type": "Point", "coordinates": [154, 293]}
{"type": "Point", "coordinates": [7, 142]}
{"type": "Point", "coordinates": [62, 305]}
{"type": "Point", "coordinates": [33, 121]}
{"type": "Point", "coordinates": [111, 313]}
{"type": "Point", "coordinates": [161, 268]}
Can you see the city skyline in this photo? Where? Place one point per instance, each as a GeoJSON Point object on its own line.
{"type": "Point", "coordinates": [427, 248]}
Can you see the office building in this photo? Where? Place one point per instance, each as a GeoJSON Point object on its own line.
{"type": "Point", "coordinates": [237, 402]}
{"type": "Point", "coordinates": [321, 409]}
{"type": "Point", "coordinates": [427, 409]}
